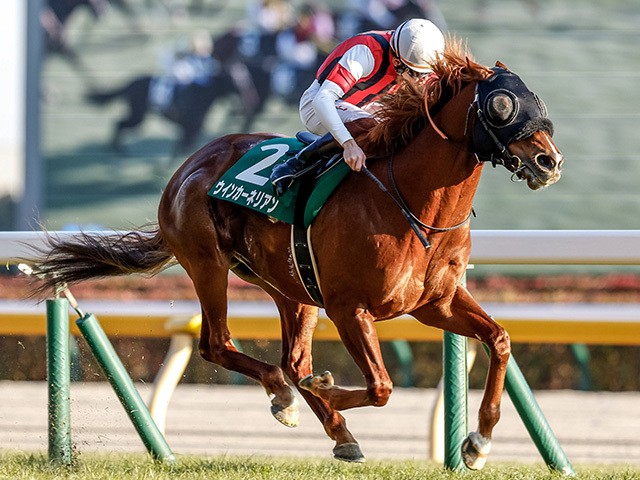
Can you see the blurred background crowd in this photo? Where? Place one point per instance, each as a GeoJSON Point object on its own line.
{"type": "Point", "coordinates": [129, 88]}
{"type": "Point", "coordinates": [273, 51]}
{"type": "Point", "coordinates": [132, 87]}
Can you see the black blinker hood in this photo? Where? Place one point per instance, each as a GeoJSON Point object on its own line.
{"type": "Point", "coordinates": [529, 115]}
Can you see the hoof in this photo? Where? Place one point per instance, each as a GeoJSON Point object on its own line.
{"type": "Point", "coordinates": [288, 416]}
{"type": "Point", "coordinates": [475, 449]}
{"type": "Point", "coordinates": [348, 452]}
{"type": "Point", "coordinates": [327, 378]}
{"type": "Point", "coordinates": [310, 382]}
{"type": "Point", "coordinates": [305, 383]}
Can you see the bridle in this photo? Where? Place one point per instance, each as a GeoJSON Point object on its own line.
{"type": "Point", "coordinates": [506, 111]}
{"type": "Point", "coordinates": [504, 157]}
{"type": "Point", "coordinates": [528, 114]}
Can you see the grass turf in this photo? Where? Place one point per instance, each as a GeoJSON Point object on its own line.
{"type": "Point", "coordinates": [16, 465]}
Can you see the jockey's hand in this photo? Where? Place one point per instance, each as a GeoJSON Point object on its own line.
{"type": "Point", "coordinates": [353, 155]}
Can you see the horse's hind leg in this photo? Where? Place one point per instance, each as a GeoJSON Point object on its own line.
{"type": "Point", "coordinates": [298, 324]}
{"type": "Point", "coordinates": [209, 276]}
{"type": "Point", "coordinates": [185, 219]}
{"type": "Point", "coordinates": [467, 318]}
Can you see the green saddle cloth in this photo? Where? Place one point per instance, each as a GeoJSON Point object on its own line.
{"type": "Point", "coordinates": [247, 182]}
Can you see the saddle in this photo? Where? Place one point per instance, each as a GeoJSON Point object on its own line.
{"type": "Point", "coordinates": [307, 137]}
{"type": "Point", "coordinates": [303, 257]}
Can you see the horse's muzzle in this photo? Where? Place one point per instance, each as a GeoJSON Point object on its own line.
{"type": "Point", "coordinates": [543, 170]}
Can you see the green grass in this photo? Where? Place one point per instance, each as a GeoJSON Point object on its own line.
{"type": "Point", "coordinates": [140, 467]}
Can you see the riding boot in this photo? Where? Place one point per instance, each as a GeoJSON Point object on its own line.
{"type": "Point", "coordinates": [284, 174]}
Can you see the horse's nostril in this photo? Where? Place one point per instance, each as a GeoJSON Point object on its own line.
{"type": "Point", "coordinates": [546, 161]}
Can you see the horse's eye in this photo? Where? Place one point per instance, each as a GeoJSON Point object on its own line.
{"type": "Point", "coordinates": [500, 109]}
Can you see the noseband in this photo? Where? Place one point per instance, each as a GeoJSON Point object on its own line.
{"type": "Point", "coordinates": [506, 111]}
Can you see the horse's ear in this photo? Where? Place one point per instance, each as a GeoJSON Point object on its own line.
{"type": "Point", "coordinates": [501, 65]}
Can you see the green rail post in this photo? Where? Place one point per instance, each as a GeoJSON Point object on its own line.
{"type": "Point", "coordinates": [237, 378]}
{"type": "Point", "coordinates": [581, 353]}
{"type": "Point", "coordinates": [455, 399]}
{"type": "Point", "coordinates": [534, 420]}
{"type": "Point", "coordinates": [58, 378]}
{"type": "Point", "coordinates": [122, 384]}
{"type": "Point", "coordinates": [404, 354]}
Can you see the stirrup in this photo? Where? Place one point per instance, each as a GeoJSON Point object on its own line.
{"type": "Point", "coordinates": [282, 184]}
{"type": "Point", "coordinates": [282, 181]}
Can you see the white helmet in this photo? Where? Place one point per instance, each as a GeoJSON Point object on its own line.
{"type": "Point", "coordinates": [416, 42]}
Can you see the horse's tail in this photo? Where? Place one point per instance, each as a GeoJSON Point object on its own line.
{"type": "Point", "coordinates": [90, 256]}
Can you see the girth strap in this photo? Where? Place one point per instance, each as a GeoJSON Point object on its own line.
{"type": "Point", "coordinates": [301, 249]}
{"type": "Point", "coordinates": [305, 263]}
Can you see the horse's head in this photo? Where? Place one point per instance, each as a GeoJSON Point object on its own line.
{"type": "Point", "coordinates": [512, 129]}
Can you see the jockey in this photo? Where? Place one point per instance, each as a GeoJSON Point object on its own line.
{"type": "Point", "coordinates": [356, 73]}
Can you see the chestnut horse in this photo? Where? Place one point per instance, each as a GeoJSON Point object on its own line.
{"type": "Point", "coordinates": [430, 141]}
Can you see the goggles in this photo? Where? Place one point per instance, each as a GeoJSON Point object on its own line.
{"type": "Point", "coordinates": [404, 68]}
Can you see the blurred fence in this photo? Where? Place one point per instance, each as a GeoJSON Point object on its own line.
{"type": "Point", "coordinates": [604, 324]}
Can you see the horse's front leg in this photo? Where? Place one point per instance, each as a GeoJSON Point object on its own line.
{"type": "Point", "coordinates": [465, 317]}
{"type": "Point", "coordinates": [298, 324]}
{"type": "Point", "coordinates": [359, 335]}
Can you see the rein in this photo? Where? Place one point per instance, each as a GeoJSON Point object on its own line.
{"type": "Point", "coordinates": [413, 220]}
{"type": "Point", "coordinates": [416, 219]}
{"type": "Point", "coordinates": [501, 156]}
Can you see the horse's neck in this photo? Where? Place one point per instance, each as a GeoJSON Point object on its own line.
{"type": "Point", "coordinates": [439, 177]}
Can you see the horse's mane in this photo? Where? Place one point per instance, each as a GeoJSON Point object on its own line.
{"type": "Point", "coordinates": [402, 115]}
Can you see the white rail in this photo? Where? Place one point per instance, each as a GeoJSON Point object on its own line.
{"type": "Point", "coordinates": [489, 247]}
{"type": "Point", "coordinates": [555, 247]}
